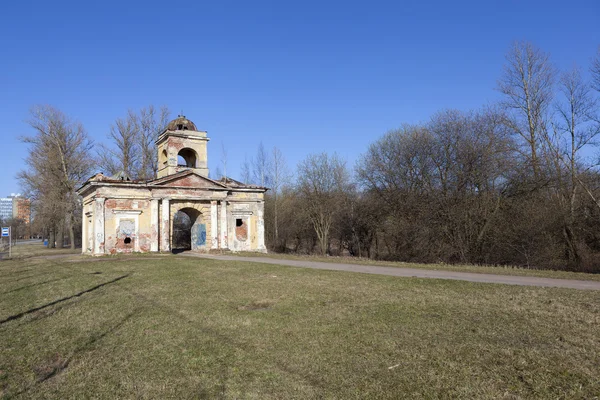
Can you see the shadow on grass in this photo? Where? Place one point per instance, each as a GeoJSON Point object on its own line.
{"type": "Point", "coordinates": [25, 277]}
{"type": "Point", "coordinates": [33, 285]}
{"type": "Point", "coordinates": [32, 310]}
{"type": "Point", "coordinates": [235, 345]}
{"type": "Point", "coordinates": [20, 271]}
{"type": "Point", "coordinates": [57, 364]}
{"type": "Point", "coordinates": [203, 393]}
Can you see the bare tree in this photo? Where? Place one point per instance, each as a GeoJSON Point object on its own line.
{"type": "Point", "coordinates": [58, 162]}
{"type": "Point", "coordinates": [359, 222]}
{"type": "Point", "coordinates": [245, 170]}
{"type": "Point", "coordinates": [322, 179]}
{"type": "Point", "coordinates": [261, 166]}
{"type": "Point", "coordinates": [217, 174]}
{"type": "Point", "coordinates": [440, 185]}
{"type": "Point", "coordinates": [125, 154]}
{"type": "Point", "coordinates": [280, 176]}
{"type": "Point", "coordinates": [574, 130]}
{"type": "Point", "coordinates": [18, 227]}
{"type": "Point", "coordinates": [595, 70]}
{"type": "Point", "coordinates": [527, 84]}
{"type": "Point", "coordinates": [150, 123]}
{"type": "Point", "coordinates": [224, 159]}
{"type": "Point", "coordinates": [132, 148]}
{"type": "Point", "coordinates": [577, 114]}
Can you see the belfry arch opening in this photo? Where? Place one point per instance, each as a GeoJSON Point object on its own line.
{"type": "Point", "coordinates": [186, 158]}
{"type": "Point", "coordinates": [189, 231]}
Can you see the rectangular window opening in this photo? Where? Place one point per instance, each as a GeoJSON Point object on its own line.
{"type": "Point", "coordinates": [241, 230]}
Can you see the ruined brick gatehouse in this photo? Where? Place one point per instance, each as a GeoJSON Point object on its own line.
{"type": "Point", "coordinates": [181, 209]}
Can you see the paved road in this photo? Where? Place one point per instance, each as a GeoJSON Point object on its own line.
{"type": "Point", "coordinates": [414, 272]}
{"type": "Point", "coordinates": [26, 241]}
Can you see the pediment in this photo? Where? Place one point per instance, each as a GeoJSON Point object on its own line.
{"type": "Point", "coordinates": [187, 179]}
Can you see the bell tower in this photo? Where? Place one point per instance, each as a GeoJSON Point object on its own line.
{"type": "Point", "coordinates": [181, 146]}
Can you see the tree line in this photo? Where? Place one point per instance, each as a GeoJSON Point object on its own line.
{"type": "Point", "coordinates": [512, 183]}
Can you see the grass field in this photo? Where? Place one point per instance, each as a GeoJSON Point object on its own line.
{"type": "Point", "coordinates": [161, 327]}
{"type": "Point", "coordinates": [35, 249]}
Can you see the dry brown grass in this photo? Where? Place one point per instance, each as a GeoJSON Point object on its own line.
{"type": "Point", "coordinates": [176, 327]}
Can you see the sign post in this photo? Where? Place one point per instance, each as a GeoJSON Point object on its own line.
{"type": "Point", "coordinates": [6, 231]}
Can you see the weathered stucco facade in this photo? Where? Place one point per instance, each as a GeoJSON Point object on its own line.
{"type": "Point", "coordinates": [181, 209]}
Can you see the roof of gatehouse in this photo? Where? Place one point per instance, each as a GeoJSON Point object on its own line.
{"type": "Point", "coordinates": [181, 123]}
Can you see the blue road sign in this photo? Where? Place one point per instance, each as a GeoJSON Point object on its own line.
{"type": "Point", "coordinates": [5, 232]}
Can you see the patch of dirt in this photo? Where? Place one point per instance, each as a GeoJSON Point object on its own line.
{"type": "Point", "coordinates": [259, 305]}
{"type": "Point", "coordinates": [50, 368]}
{"type": "Point", "coordinates": [42, 313]}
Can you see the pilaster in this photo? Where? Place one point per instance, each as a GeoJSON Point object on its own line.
{"type": "Point", "coordinates": [223, 225]}
{"type": "Point", "coordinates": [260, 230]}
{"type": "Point", "coordinates": [154, 225]}
{"type": "Point", "coordinates": [214, 229]}
{"type": "Point", "coordinates": [165, 226]}
{"type": "Point", "coordinates": [99, 225]}
{"type": "Point", "coordinates": [84, 230]}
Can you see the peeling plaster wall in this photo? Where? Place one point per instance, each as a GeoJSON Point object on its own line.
{"type": "Point", "coordinates": [87, 228]}
{"type": "Point", "coordinates": [173, 144]}
{"type": "Point", "coordinates": [114, 212]}
{"type": "Point", "coordinates": [246, 206]}
{"type": "Point", "coordinates": [154, 225]}
{"type": "Point", "coordinates": [163, 233]}
{"type": "Point", "coordinates": [127, 219]}
{"type": "Point", "coordinates": [185, 193]}
{"type": "Point", "coordinates": [244, 212]}
{"type": "Point", "coordinates": [245, 196]}
{"type": "Point", "coordinates": [98, 220]}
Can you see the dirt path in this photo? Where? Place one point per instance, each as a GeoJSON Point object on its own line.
{"type": "Point", "coordinates": [418, 273]}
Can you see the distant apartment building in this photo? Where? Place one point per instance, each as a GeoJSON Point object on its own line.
{"type": "Point", "coordinates": [6, 207]}
{"type": "Point", "coordinates": [15, 206]}
{"type": "Point", "coordinates": [21, 208]}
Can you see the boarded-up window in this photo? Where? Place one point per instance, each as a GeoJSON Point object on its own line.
{"type": "Point", "coordinates": [126, 231]}
{"type": "Point", "coordinates": [127, 227]}
{"type": "Point", "coordinates": [241, 229]}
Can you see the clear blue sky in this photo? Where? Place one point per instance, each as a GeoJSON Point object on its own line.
{"type": "Point", "coordinates": [306, 76]}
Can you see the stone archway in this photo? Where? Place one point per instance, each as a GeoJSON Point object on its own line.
{"type": "Point", "coordinates": [189, 230]}
{"type": "Point", "coordinates": [190, 222]}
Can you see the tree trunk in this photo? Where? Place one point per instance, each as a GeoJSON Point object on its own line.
{"type": "Point", "coordinates": [276, 220]}
{"type": "Point", "coordinates": [71, 228]}
{"type": "Point", "coordinates": [323, 243]}
{"type": "Point", "coordinates": [60, 235]}
{"type": "Point", "coordinates": [573, 254]}
{"type": "Point", "coordinates": [52, 238]}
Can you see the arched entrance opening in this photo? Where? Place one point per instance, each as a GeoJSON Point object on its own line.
{"type": "Point", "coordinates": [189, 231]}
{"type": "Point", "coordinates": [186, 158]}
